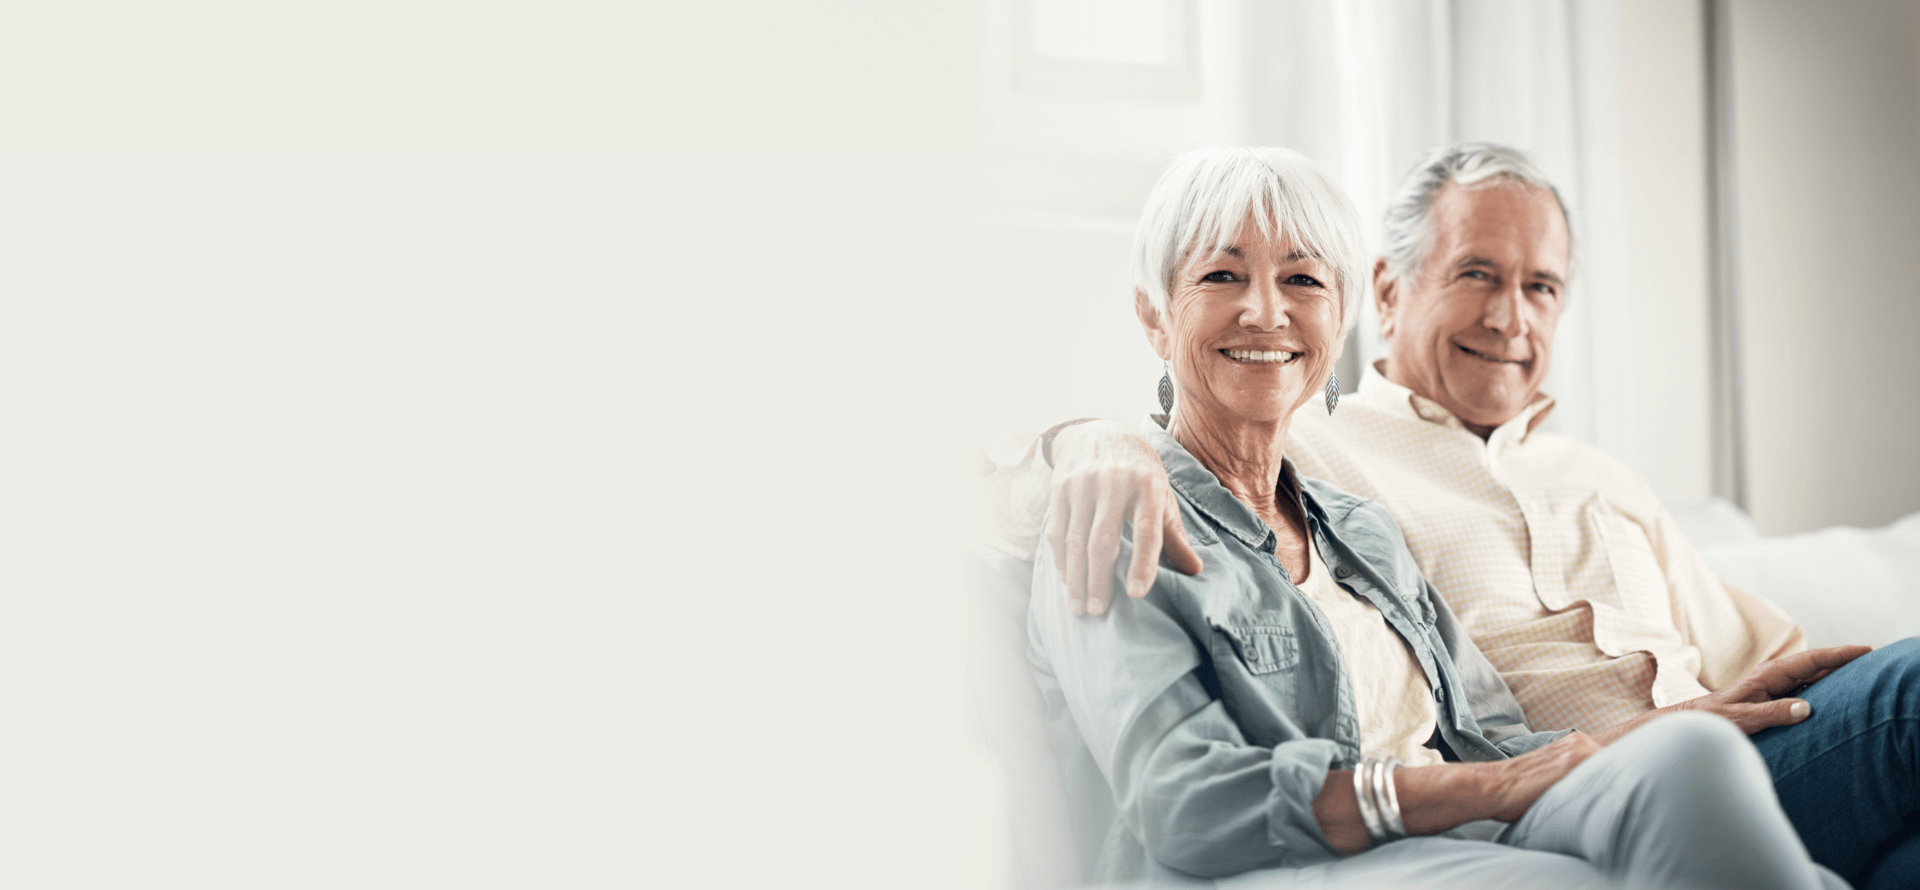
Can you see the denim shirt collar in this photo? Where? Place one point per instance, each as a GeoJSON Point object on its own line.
{"type": "Point", "coordinates": [1212, 499]}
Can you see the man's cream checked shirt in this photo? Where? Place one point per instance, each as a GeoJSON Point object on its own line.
{"type": "Point", "coordinates": [1560, 562]}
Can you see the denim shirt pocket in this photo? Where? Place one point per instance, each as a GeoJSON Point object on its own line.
{"type": "Point", "coordinates": [1263, 648]}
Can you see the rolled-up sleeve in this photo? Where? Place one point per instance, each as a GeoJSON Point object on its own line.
{"type": "Point", "coordinates": [1734, 630]}
{"type": "Point", "coordinates": [1014, 488]}
{"type": "Point", "coordinates": [1184, 780]}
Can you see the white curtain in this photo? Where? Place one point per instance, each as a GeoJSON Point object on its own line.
{"type": "Point", "coordinates": [1365, 86]}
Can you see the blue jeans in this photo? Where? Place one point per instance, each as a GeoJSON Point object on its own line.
{"type": "Point", "coordinates": [1849, 776]}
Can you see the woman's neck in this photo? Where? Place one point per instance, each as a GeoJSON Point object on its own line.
{"type": "Point", "coordinates": [1245, 457]}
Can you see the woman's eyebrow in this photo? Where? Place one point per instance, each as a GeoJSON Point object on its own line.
{"type": "Point", "coordinates": [1296, 256]}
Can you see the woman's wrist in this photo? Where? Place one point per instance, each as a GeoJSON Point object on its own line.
{"type": "Point", "coordinates": [1447, 795]}
{"type": "Point", "coordinates": [1432, 799]}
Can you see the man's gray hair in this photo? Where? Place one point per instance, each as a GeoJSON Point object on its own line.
{"type": "Point", "coordinates": [1207, 194]}
{"type": "Point", "coordinates": [1409, 224]}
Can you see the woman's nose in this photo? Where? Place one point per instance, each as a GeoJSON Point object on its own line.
{"type": "Point", "coordinates": [1266, 309]}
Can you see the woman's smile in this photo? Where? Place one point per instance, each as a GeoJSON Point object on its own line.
{"type": "Point", "coordinates": [1259, 357]}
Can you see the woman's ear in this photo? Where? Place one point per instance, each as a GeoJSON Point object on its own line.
{"type": "Point", "coordinates": [1386, 296]}
{"type": "Point", "coordinates": [1153, 322]}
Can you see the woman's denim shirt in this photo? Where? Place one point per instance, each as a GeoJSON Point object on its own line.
{"type": "Point", "coordinates": [1195, 726]}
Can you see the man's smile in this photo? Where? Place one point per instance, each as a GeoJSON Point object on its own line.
{"type": "Point", "coordinates": [1492, 358]}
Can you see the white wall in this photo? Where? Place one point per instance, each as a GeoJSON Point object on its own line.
{"type": "Point", "coordinates": [484, 445]}
{"type": "Point", "coordinates": [1828, 132]}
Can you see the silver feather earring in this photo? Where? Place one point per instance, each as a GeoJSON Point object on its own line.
{"type": "Point", "coordinates": [1333, 392]}
{"type": "Point", "coordinates": [1166, 389]}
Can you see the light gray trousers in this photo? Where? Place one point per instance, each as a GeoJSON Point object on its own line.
{"type": "Point", "coordinates": [1682, 802]}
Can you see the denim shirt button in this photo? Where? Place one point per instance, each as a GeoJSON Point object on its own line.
{"type": "Point", "coordinates": [1343, 572]}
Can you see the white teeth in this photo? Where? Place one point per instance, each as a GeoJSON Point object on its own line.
{"type": "Point", "coordinates": [1248, 355]}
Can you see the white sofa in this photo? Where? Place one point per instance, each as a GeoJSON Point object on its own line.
{"type": "Point", "coordinates": [1844, 585]}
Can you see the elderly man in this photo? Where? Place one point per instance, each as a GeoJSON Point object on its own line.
{"type": "Point", "coordinates": [1559, 561]}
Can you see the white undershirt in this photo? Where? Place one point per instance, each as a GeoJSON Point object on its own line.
{"type": "Point", "coordinates": [1390, 691]}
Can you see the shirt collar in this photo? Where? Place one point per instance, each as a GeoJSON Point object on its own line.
{"type": "Point", "coordinates": [1378, 391]}
{"type": "Point", "coordinates": [1203, 490]}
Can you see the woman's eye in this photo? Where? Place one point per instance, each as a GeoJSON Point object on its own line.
{"type": "Point", "coordinates": [1305, 280]}
{"type": "Point", "coordinates": [1217, 276]}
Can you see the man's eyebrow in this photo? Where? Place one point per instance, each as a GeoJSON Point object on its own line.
{"type": "Point", "coordinates": [1474, 260]}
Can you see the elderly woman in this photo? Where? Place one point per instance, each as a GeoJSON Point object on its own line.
{"type": "Point", "coordinates": [1308, 702]}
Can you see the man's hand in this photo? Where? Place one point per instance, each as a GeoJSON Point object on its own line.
{"type": "Point", "coordinates": [1103, 476]}
{"type": "Point", "coordinates": [1759, 699]}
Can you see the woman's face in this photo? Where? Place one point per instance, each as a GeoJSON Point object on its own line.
{"type": "Point", "coordinates": [1251, 331]}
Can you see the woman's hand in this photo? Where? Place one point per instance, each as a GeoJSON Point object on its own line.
{"type": "Point", "coordinates": [1515, 784]}
{"type": "Point", "coordinates": [1104, 476]}
{"type": "Point", "coordinates": [1447, 795]}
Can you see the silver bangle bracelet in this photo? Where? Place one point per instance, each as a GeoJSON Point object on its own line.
{"type": "Point", "coordinates": [1379, 801]}
{"type": "Point", "coordinates": [1388, 798]}
{"type": "Point", "coordinates": [1363, 795]}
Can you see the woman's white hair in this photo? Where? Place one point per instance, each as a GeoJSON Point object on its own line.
{"type": "Point", "coordinates": [1409, 223]}
{"type": "Point", "coordinates": [1207, 194]}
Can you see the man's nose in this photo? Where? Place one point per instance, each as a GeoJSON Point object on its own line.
{"type": "Point", "coordinates": [1266, 308]}
{"type": "Point", "coordinates": [1506, 311]}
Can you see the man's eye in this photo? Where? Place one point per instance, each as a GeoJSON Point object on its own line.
{"type": "Point", "coordinates": [1305, 280]}
{"type": "Point", "coordinates": [1544, 289]}
{"type": "Point", "coordinates": [1217, 276]}
{"type": "Point", "coordinates": [1477, 274]}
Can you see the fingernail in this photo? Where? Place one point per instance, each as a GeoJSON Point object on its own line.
{"type": "Point", "coordinates": [1076, 607]}
{"type": "Point", "coordinates": [1136, 590]}
{"type": "Point", "coordinates": [1097, 607]}
{"type": "Point", "coordinates": [1800, 710]}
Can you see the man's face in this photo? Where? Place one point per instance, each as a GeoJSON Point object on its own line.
{"type": "Point", "coordinates": [1473, 329]}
